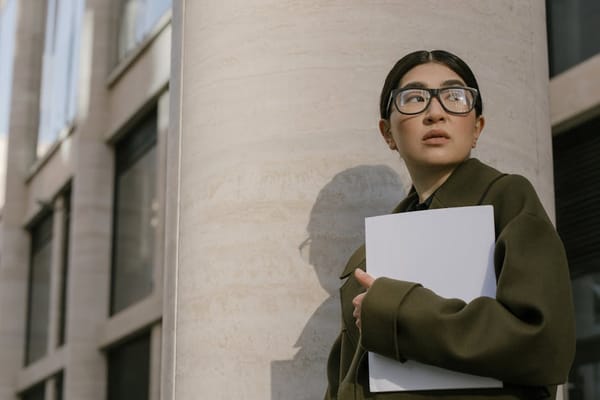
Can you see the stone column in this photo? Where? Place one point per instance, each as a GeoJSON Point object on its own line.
{"type": "Point", "coordinates": [275, 159]}
{"type": "Point", "coordinates": [14, 254]}
{"type": "Point", "coordinates": [91, 214]}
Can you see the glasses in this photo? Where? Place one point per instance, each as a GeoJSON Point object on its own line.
{"type": "Point", "coordinates": [454, 99]}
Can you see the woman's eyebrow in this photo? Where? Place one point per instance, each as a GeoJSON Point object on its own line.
{"type": "Point", "coordinates": [421, 85]}
{"type": "Point", "coordinates": [414, 85]}
{"type": "Point", "coordinates": [452, 82]}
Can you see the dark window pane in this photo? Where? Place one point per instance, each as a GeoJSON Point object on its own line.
{"type": "Point", "coordinates": [573, 32]}
{"type": "Point", "coordinates": [577, 190]}
{"type": "Point", "coordinates": [35, 393]}
{"type": "Point", "coordinates": [39, 290]}
{"type": "Point", "coordinates": [586, 296]}
{"type": "Point", "coordinates": [58, 386]}
{"type": "Point", "coordinates": [587, 382]}
{"type": "Point", "coordinates": [135, 216]}
{"type": "Point", "coordinates": [584, 379]}
{"type": "Point", "coordinates": [129, 370]}
{"type": "Point", "coordinates": [65, 267]}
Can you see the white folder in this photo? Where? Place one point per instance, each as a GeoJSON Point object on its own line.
{"type": "Point", "coordinates": [449, 251]}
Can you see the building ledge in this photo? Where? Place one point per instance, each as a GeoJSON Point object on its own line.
{"type": "Point", "coordinates": [575, 95]}
{"type": "Point", "coordinates": [128, 60]}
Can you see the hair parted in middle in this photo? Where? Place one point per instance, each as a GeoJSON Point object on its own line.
{"type": "Point", "coordinates": [411, 60]}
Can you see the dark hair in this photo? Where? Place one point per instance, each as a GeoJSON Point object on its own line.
{"type": "Point", "coordinates": [411, 60]}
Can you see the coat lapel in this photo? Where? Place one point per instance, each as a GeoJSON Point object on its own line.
{"type": "Point", "coordinates": [467, 185]}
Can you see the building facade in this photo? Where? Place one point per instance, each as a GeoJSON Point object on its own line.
{"type": "Point", "coordinates": [185, 179]}
{"type": "Point", "coordinates": [82, 222]}
{"type": "Point", "coordinates": [573, 29]}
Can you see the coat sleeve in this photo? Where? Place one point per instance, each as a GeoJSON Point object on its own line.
{"type": "Point", "coordinates": [525, 336]}
{"type": "Point", "coordinates": [333, 369]}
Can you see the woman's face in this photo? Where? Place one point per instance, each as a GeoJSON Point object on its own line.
{"type": "Point", "coordinates": [433, 138]}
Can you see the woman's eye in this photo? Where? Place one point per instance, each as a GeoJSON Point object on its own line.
{"type": "Point", "coordinates": [455, 95]}
{"type": "Point", "coordinates": [414, 98]}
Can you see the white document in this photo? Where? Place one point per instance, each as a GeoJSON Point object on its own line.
{"type": "Point", "coordinates": [449, 251]}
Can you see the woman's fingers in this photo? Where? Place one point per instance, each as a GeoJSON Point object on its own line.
{"type": "Point", "coordinates": [365, 281]}
{"type": "Point", "coordinates": [363, 278]}
{"type": "Point", "coordinates": [357, 302]}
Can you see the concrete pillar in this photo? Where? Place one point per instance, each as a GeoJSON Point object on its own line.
{"type": "Point", "coordinates": [23, 126]}
{"type": "Point", "coordinates": [91, 210]}
{"type": "Point", "coordinates": [275, 159]}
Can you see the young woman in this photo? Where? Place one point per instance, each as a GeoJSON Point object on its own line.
{"type": "Point", "coordinates": [431, 113]}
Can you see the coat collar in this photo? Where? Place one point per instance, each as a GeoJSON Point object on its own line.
{"type": "Point", "coordinates": [467, 185]}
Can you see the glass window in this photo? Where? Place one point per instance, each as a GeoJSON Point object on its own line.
{"type": "Point", "coordinates": [129, 370]}
{"type": "Point", "coordinates": [38, 392]}
{"type": "Point", "coordinates": [39, 290]}
{"type": "Point", "coordinates": [137, 18]}
{"type": "Point", "coordinates": [66, 221]}
{"type": "Point", "coordinates": [60, 71]}
{"type": "Point", "coordinates": [7, 42]}
{"type": "Point", "coordinates": [573, 31]}
{"type": "Point", "coordinates": [58, 386]}
{"type": "Point", "coordinates": [585, 375]}
{"type": "Point", "coordinates": [577, 190]}
{"type": "Point", "coordinates": [135, 215]}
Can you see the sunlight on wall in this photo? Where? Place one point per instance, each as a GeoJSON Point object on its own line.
{"type": "Point", "coordinates": [8, 15]}
{"type": "Point", "coordinates": [3, 145]}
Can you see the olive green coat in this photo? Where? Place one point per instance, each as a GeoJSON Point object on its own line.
{"type": "Point", "coordinates": [525, 337]}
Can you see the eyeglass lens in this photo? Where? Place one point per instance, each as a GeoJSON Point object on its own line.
{"type": "Point", "coordinates": [454, 100]}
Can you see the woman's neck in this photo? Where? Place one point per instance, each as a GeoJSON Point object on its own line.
{"type": "Point", "coordinates": [426, 181]}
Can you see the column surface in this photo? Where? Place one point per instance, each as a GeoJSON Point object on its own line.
{"type": "Point", "coordinates": [275, 159]}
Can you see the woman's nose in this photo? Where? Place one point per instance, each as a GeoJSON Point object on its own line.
{"type": "Point", "coordinates": [434, 112]}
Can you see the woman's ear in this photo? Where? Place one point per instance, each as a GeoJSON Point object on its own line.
{"type": "Point", "coordinates": [479, 124]}
{"type": "Point", "coordinates": [384, 129]}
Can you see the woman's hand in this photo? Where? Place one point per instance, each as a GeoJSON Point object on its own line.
{"type": "Point", "coordinates": [365, 281]}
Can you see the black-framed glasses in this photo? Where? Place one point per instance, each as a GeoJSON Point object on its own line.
{"type": "Point", "coordinates": [454, 99]}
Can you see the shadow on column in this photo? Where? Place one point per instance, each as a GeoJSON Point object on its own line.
{"type": "Point", "coordinates": [335, 229]}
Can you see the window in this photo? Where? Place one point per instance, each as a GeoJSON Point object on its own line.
{"type": "Point", "coordinates": [577, 189]}
{"type": "Point", "coordinates": [129, 370]}
{"type": "Point", "coordinates": [137, 18]}
{"type": "Point", "coordinates": [135, 215]}
{"type": "Point", "coordinates": [66, 233]}
{"type": "Point", "coordinates": [38, 392]}
{"type": "Point", "coordinates": [60, 70]}
{"type": "Point", "coordinates": [573, 31]}
{"type": "Point", "coordinates": [58, 386]}
{"type": "Point", "coordinates": [39, 290]}
{"type": "Point", "coordinates": [7, 43]}
{"type": "Point", "coordinates": [49, 233]}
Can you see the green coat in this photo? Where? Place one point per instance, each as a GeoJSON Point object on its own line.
{"type": "Point", "coordinates": [525, 337]}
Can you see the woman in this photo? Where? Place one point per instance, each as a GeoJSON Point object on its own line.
{"type": "Point", "coordinates": [431, 113]}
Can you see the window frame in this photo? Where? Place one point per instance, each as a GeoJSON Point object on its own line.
{"type": "Point", "coordinates": [136, 142]}
{"type": "Point", "coordinates": [145, 26]}
{"type": "Point", "coordinates": [58, 106]}
{"type": "Point", "coordinates": [145, 337]}
{"type": "Point", "coordinates": [44, 220]}
{"type": "Point", "coordinates": [57, 231]}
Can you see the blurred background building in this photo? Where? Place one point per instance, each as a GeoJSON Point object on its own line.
{"type": "Point", "coordinates": [85, 231]}
{"type": "Point", "coordinates": [574, 55]}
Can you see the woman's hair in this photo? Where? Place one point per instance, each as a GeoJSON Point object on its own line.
{"type": "Point", "coordinates": [411, 60]}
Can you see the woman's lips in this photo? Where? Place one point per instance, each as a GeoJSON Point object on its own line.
{"type": "Point", "coordinates": [436, 136]}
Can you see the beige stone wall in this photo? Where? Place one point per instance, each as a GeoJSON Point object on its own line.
{"type": "Point", "coordinates": [274, 159]}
